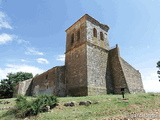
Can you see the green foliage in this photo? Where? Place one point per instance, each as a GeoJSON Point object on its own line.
{"type": "Point", "coordinates": [21, 108]}
{"type": "Point", "coordinates": [158, 64]}
{"type": "Point", "coordinates": [7, 85]}
{"type": "Point", "coordinates": [43, 101]}
{"type": "Point", "coordinates": [24, 108]}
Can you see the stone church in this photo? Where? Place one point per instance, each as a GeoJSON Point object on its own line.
{"type": "Point", "coordinates": [91, 67]}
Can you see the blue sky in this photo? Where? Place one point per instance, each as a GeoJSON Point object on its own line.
{"type": "Point", "coordinates": [32, 33]}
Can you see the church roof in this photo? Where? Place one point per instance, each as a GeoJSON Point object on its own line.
{"type": "Point", "coordinates": [88, 17]}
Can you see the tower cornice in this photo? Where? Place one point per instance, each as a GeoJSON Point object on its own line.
{"type": "Point", "coordinates": [87, 43]}
{"type": "Point", "coordinates": [88, 17]}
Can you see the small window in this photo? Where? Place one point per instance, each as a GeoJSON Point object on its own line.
{"type": "Point", "coordinates": [94, 32]}
{"type": "Point", "coordinates": [46, 76]}
{"type": "Point", "coordinates": [78, 34]}
{"type": "Point", "coordinates": [101, 36]}
{"type": "Point", "coordinates": [72, 39]}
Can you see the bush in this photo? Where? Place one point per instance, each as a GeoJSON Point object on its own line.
{"type": "Point", "coordinates": [24, 108]}
{"type": "Point", "coordinates": [21, 108]}
{"type": "Point", "coordinates": [41, 102]}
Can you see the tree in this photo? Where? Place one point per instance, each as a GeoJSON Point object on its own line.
{"type": "Point", "coordinates": [7, 85]}
{"type": "Point", "coordinates": [158, 65]}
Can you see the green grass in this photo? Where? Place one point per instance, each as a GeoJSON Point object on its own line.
{"type": "Point", "coordinates": [109, 105]}
{"type": "Point", "coordinates": [11, 100]}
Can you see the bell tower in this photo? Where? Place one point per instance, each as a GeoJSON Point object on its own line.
{"type": "Point", "coordinates": [86, 57]}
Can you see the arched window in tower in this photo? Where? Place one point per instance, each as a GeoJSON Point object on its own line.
{"type": "Point", "coordinates": [101, 36]}
{"type": "Point", "coordinates": [78, 35]}
{"type": "Point", "coordinates": [72, 39]}
{"type": "Point", "coordinates": [94, 32]}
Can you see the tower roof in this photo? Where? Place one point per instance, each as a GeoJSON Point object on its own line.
{"type": "Point", "coordinates": [88, 17]}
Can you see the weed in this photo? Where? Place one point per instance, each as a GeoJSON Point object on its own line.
{"type": "Point", "coordinates": [24, 108]}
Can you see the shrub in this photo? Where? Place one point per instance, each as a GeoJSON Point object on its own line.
{"type": "Point", "coordinates": [24, 108]}
{"type": "Point", "coordinates": [21, 108]}
{"type": "Point", "coordinates": [41, 102]}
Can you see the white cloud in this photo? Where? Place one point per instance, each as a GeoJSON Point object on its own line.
{"type": "Point", "coordinates": [32, 51]}
{"type": "Point", "coordinates": [20, 41]}
{"type": "Point", "coordinates": [5, 38]}
{"type": "Point", "coordinates": [17, 68]}
{"type": "Point", "coordinates": [150, 79]}
{"type": "Point", "coordinates": [61, 58]}
{"type": "Point", "coordinates": [4, 21]}
{"type": "Point", "coordinates": [23, 60]}
{"type": "Point", "coordinates": [42, 61]}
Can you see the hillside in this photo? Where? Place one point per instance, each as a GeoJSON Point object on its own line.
{"type": "Point", "coordinates": [102, 107]}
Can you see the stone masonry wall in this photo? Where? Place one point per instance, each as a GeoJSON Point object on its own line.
{"type": "Point", "coordinates": [23, 88]}
{"type": "Point", "coordinates": [109, 80]}
{"type": "Point", "coordinates": [97, 56]}
{"type": "Point", "coordinates": [96, 70]}
{"type": "Point", "coordinates": [96, 41]}
{"type": "Point", "coordinates": [50, 82]}
{"type": "Point", "coordinates": [117, 71]}
{"type": "Point", "coordinates": [75, 61]}
{"type": "Point", "coordinates": [60, 88]}
{"type": "Point", "coordinates": [133, 78]}
{"type": "Point", "coordinates": [73, 30]}
{"type": "Point", "coordinates": [76, 71]}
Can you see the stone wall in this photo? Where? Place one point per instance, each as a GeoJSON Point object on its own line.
{"type": "Point", "coordinates": [97, 57]}
{"type": "Point", "coordinates": [96, 40]}
{"type": "Point", "coordinates": [23, 88]}
{"type": "Point", "coordinates": [117, 74]}
{"type": "Point", "coordinates": [133, 78]}
{"type": "Point", "coordinates": [109, 80]}
{"type": "Point", "coordinates": [60, 88]}
{"type": "Point", "coordinates": [75, 61]}
{"type": "Point", "coordinates": [124, 75]}
{"type": "Point", "coordinates": [96, 69]}
{"type": "Point", "coordinates": [76, 71]}
{"type": "Point", "coordinates": [50, 82]}
{"type": "Point", "coordinates": [73, 30]}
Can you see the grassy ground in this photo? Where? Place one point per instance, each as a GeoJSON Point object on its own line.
{"type": "Point", "coordinates": [108, 106]}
